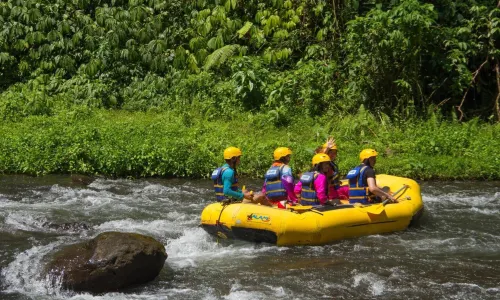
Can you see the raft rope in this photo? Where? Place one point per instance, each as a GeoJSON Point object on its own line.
{"type": "Point", "coordinates": [224, 204]}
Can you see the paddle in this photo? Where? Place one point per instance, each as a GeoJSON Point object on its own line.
{"type": "Point", "coordinates": [245, 200]}
{"type": "Point", "coordinates": [379, 208]}
{"type": "Point", "coordinates": [304, 208]}
{"type": "Point", "coordinates": [301, 207]}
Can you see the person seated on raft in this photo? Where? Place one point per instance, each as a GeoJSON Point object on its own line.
{"type": "Point", "coordinates": [278, 181]}
{"type": "Point", "coordinates": [362, 182]}
{"type": "Point", "coordinates": [226, 178]}
{"type": "Point", "coordinates": [336, 192]}
{"type": "Point", "coordinates": [313, 186]}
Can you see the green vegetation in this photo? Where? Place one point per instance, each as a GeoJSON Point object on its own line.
{"type": "Point", "coordinates": [120, 143]}
{"type": "Point", "coordinates": [160, 87]}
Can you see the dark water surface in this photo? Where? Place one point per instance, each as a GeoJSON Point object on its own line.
{"type": "Point", "coordinates": [454, 254]}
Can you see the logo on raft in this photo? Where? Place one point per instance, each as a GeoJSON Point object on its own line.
{"type": "Point", "coordinates": [259, 218]}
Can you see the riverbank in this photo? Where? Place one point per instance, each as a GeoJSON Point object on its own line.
{"type": "Point", "coordinates": [183, 144]}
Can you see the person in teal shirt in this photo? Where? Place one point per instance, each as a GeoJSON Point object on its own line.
{"type": "Point", "coordinates": [226, 178]}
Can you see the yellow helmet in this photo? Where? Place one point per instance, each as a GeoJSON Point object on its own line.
{"type": "Point", "coordinates": [231, 152]}
{"type": "Point", "coordinates": [319, 158]}
{"type": "Point", "coordinates": [367, 153]}
{"type": "Point", "coordinates": [281, 152]}
{"type": "Point", "coordinates": [334, 147]}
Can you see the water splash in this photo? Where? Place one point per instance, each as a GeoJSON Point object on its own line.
{"type": "Point", "coordinates": [158, 228]}
{"type": "Point", "coordinates": [24, 220]}
{"type": "Point", "coordinates": [195, 245]}
{"type": "Point", "coordinates": [23, 275]}
{"type": "Point", "coordinates": [374, 283]}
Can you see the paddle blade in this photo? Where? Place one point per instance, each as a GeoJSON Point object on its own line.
{"type": "Point", "coordinates": [376, 209]}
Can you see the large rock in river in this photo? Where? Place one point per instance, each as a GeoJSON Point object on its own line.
{"type": "Point", "coordinates": [110, 261]}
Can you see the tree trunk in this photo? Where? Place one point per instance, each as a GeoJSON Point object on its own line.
{"type": "Point", "coordinates": [497, 101]}
{"type": "Point", "coordinates": [497, 71]}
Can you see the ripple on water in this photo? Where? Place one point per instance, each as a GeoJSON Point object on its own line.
{"type": "Point", "coordinates": [158, 228]}
{"type": "Point", "coordinates": [461, 199]}
{"type": "Point", "coordinates": [158, 189]}
{"type": "Point", "coordinates": [462, 290]}
{"type": "Point", "coordinates": [485, 211]}
{"type": "Point", "coordinates": [244, 295]}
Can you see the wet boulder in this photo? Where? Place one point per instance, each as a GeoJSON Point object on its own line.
{"type": "Point", "coordinates": [109, 262]}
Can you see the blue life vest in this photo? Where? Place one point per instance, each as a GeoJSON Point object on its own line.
{"type": "Point", "coordinates": [219, 185]}
{"type": "Point", "coordinates": [308, 194]}
{"type": "Point", "coordinates": [275, 190]}
{"type": "Point", "coordinates": [358, 192]}
{"type": "Point", "coordinates": [334, 179]}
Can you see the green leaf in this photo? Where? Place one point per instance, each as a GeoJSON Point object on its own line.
{"type": "Point", "coordinates": [245, 29]}
{"type": "Point", "coordinates": [251, 74]}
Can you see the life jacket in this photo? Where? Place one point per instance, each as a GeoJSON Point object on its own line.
{"type": "Point", "coordinates": [334, 178]}
{"type": "Point", "coordinates": [358, 192]}
{"type": "Point", "coordinates": [275, 190]}
{"type": "Point", "coordinates": [308, 194]}
{"type": "Point", "coordinates": [219, 185]}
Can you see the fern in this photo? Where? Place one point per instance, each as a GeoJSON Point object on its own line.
{"type": "Point", "coordinates": [220, 56]}
{"type": "Point", "coordinates": [5, 58]}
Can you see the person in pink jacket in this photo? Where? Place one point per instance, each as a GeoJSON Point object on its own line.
{"type": "Point", "coordinates": [312, 189]}
{"type": "Point", "coordinates": [336, 190]}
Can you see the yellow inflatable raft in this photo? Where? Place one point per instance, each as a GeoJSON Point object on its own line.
{"type": "Point", "coordinates": [307, 225]}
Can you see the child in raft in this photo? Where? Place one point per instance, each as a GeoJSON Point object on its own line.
{"type": "Point", "coordinates": [336, 191]}
{"type": "Point", "coordinates": [312, 188]}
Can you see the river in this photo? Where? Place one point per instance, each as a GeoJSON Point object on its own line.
{"type": "Point", "coordinates": [453, 254]}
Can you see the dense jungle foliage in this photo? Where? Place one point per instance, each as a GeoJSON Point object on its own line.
{"type": "Point", "coordinates": [270, 70]}
{"type": "Point", "coordinates": [284, 57]}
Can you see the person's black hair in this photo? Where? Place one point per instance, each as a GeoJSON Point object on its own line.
{"type": "Point", "coordinates": [366, 161]}
{"type": "Point", "coordinates": [282, 159]}
{"type": "Point", "coordinates": [232, 162]}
